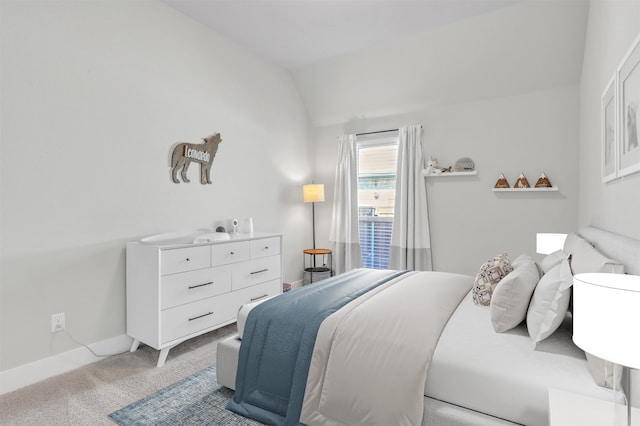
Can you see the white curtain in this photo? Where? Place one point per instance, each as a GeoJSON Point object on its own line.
{"type": "Point", "coordinates": [410, 240]}
{"type": "Point", "coordinates": [344, 235]}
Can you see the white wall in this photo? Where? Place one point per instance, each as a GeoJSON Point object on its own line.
{"type": "Point", "coordinates": [529, 133]}
{"type": "Point", "coordinates": [615, 206]}
{"type": "Point", "coordinates": [94, 94]}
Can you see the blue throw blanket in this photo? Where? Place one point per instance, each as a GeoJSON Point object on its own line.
{"type": "Point", "coordinates": [278, 341]}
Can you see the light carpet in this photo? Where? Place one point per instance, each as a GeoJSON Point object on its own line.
{"type": "Point", "coordinates": [194, 401]}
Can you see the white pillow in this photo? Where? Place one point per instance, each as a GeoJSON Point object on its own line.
{"type": "Point", "coordinates": [586, 258]}
{"type": "Point", "coordinates": [551, 260]}
{"type": "Point", "coordinates": [550, 302]}
{"type": "Point", "coordinates": [512, 295]}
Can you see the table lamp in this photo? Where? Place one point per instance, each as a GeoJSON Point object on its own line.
{"type": "Point", "coordinates": [547, 243]}
{"type": "Point", "coordinates": [313, 193]}
{"type": "Point", "coordinates": [606, 321]}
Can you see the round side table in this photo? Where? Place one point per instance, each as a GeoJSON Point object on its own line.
{"type": "Point", "coordinates": [313, 272]}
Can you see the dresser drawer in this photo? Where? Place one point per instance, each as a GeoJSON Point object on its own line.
{"type": "Point", "coordinates": [184, 320]}
{"type": "Point", "coordinates": [178, 289]}
{"type": "Point", "coordinates": [174, 261]}
{"type": "Point", "coordinates": [255, 293]}
{"type": "Point", "coordinates": [223, 254]}
{"type": "Point", "coordinates": [254, 272]}
{"type": "Point", "coordinates": [265, 247]}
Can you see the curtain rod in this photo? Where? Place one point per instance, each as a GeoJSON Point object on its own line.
{"type": "Point", "coordinates": [379, 131]}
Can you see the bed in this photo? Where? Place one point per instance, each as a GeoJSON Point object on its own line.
{"type": "Point", "coordinates": [443, 348]}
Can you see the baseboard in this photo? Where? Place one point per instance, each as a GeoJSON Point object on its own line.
{"type": "Point", "coordinates": [296, 284]}
{"type": "Point", "coordinates": [37, 371]}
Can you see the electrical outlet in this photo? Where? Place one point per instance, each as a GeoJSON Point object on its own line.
{"type": "Point", "coordinates": [57, 322]}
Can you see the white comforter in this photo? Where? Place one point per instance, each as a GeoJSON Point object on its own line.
{"type": "Point", "coordinates": [370, 358]}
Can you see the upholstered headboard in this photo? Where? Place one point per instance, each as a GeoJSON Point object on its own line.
{"type": "Point", "coordinates": [619, 247]}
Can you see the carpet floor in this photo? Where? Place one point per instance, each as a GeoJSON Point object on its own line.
{"type": "Point", "coordinates": [87, 395]}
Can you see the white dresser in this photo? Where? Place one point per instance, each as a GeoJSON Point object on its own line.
{"type": "Point", "coordinates": [176, 292]}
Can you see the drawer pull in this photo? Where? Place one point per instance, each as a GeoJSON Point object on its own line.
{"type": "Point", "coordinates": [261, 270]}
{"type": "Point", "coordinates": [200, 285]}
{"type": "Point", "coordinates": [253, 299]}
{"type": "Point", "coordinates": [200, 316]}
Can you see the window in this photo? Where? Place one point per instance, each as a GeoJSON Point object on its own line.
{"type": "Point", "coordinates": [376, 197]}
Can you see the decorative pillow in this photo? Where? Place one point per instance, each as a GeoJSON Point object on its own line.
{"type": "Point", "coordinates": [512, 295]}
{"type": "Point", "coordinates": [551, 260]}
{"type": "Point", "coordinates": [550, 302]}
{"type": "Point", "coordinates": [488, 277]}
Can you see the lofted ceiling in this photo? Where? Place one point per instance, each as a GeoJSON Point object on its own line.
{"type": "Point", "coordinates": [294, 33]}
{"type": "Point", "coordinates": [370, 58]}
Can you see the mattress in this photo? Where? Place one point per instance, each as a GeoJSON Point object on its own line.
{"type": "Point", "coordinates": [503, 374]}
{"type": "Point", "coordinates": [243, 313]}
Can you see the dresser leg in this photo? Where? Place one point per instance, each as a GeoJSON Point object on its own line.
{"type": "Point", "coordinates": [134, 345]}
{"type": "Point", "coordinates": [163, 356]}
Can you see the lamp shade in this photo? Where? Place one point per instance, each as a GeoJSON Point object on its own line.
{"type": "Point", "coordinates": [606, 316]}
{"type": "Point", "coordinates": [313, 193]}
{"type": "Point", "coordinates": [547, 243]}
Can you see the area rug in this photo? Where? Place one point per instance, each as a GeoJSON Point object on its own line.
{"type": "Point", "coordinates": [197, 400]}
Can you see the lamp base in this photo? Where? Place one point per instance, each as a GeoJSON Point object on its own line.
{"type": "Point", "coordinates": [626, 397]}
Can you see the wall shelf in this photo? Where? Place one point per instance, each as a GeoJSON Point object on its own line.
{"type": "Point", "coordinates": [552, 189]}
{"type": "Point", "coordinates": [446, 174]}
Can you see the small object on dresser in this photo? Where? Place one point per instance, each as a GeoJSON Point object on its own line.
{"type": "Point", "coordinates": [543, 182]}
{"type": "Point", "coordinates": [446, 170]}
{"type": "Point", "coordinates": [522, 182]}
{"type": "Point", "coordinates": [220, 229]}
{"type": "Point", "coordinates": [502, 182]}
{"type": "Point", "coordinates": [464, 164]}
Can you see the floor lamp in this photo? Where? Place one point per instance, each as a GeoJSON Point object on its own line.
{"type": "Point", "coordinates": [313, 193]}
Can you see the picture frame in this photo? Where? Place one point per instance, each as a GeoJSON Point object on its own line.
{"type": "Point", "coordinates": [609, 136]}
{"type": "Point", "coordinates": [628, 92]}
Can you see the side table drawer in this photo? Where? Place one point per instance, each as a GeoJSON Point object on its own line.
{"type": "Point", "coordinates": [178, 289]}
{"type": "Point", "coordinates": [223, 254]}
{"type": "Point", "coordinates": [254, 272]}
{"type": "Point", "coordinates": [174, 261]}
{"type": "Point", "coordinates": [187, 319]}
{"type": "Point", "coordinates": [265, 247]}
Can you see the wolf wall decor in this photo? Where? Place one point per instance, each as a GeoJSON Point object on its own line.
{"type": "Point", "coordinates": [185, 153]}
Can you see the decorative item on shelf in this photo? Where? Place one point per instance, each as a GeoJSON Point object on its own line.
{"type": "Point", "coordinates": [502, 182]}
{"type": "Point", "coordinates": [522, 182]}
{"type": "Point", "coordinates": [204, 153]}
{"type": "Point", "coordinates": [543, 182]}
{"type": "Point", "coordinates": [464, 164]}
{"type": "Point", "coordinates": [220, 229]}
{"type": "Point", "coordinates": [432, 165]}
{"type": "Point", "coordinates": [446, 170]}
{"type": "Point", "coordinates": [234, 222]}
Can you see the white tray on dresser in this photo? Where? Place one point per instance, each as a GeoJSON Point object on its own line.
{"type": "Point", "coordinates": [179, 291]}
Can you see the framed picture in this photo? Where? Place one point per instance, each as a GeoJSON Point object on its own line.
{"type": "Point", "coordinates": [628, 108]}
{"type": "Point", "coordinates": [609, 133]}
